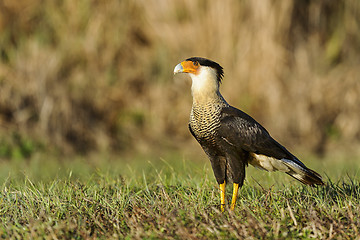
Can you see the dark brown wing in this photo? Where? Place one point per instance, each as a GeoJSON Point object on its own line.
{"type": "Point", "coordinates": [241, 131]}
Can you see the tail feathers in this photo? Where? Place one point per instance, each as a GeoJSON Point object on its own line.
{"type": "Point", "coordinates": [302, 173]}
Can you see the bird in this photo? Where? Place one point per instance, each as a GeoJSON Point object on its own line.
{"type": "Point", "coordinates": [231, 138]}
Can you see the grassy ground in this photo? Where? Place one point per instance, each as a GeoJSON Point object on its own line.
{"type": "Point", "coordinates": [174, 197]}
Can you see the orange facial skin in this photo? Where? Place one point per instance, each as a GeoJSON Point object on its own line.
{"type": "Point", "coordinates": [190, 66]}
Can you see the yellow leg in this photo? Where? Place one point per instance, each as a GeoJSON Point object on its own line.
{"type": "Point", "coordinates": [222, 195]}
{"type": "Point", "coordinates": [234, 196]}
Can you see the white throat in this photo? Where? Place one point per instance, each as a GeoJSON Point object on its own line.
{"type": "Point", "coordinates": [205, 85]}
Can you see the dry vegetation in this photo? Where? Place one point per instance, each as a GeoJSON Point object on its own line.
{"type": "Point", "coordinates": [83, 75]}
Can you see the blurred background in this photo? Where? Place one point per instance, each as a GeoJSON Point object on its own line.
{"type": "Point", "coordinates": [85, 76]}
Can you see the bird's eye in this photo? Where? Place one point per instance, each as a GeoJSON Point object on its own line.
{"type": "Point", "coordinates": [196, 63]}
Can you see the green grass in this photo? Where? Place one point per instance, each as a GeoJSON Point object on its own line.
{"type": "Point", "coordinates": [171, 198]}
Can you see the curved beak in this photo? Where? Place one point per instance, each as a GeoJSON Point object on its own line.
{"type": "Point", "coordinates": [178, 68]}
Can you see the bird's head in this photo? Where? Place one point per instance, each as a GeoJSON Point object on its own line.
{"type": "Point", "coordinates": [206, 75]}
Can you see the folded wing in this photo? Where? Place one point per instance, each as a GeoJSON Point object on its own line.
{"type": "Point", "coordinates": [241, 131]}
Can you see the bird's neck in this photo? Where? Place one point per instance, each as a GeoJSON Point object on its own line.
{"type": "Point", "coordinates": [201, 98]}
{"type": "Point", "coordinates": [205, 88]}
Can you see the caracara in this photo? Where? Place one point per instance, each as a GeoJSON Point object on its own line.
{"type": "Point", "coordinates": [231, 138]}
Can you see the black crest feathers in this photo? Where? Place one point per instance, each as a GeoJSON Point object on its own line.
{"type": "Point", "coordinates": [209, 63]}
